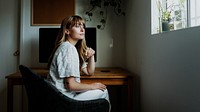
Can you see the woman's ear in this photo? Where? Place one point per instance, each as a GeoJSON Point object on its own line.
{"type": "Point", "coordinates": [67, 31]}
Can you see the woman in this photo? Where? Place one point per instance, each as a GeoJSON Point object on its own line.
{"type": "Point", "coordinates": [68, 60]}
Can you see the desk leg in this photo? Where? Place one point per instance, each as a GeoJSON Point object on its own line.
{"type": "Point", "coordinates": [9, 96]}
{"type": "Point", "coordinates": [130, 95]}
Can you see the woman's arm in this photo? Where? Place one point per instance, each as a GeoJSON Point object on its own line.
{"type": "Point", "coordinates": [89, 70]}
{"type": "Point", "coordinates": [72, 85]}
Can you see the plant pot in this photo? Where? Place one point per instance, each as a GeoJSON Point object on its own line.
{"type": "Point", "coordinates": [165, 26]}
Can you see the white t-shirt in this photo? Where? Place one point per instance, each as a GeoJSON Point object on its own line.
{"type": "Point", "coordinates": [65, 63]}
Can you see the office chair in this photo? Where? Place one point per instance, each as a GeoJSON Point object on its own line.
{"type": "Point", "coordinates": [44, 97]}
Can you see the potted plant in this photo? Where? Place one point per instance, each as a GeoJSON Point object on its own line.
{"type": "Point", "coordinates": [165, 16]}
{"type": "Point", "coordinates": [103, 5]}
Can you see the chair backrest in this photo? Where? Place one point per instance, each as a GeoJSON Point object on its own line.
{"type": "Point", "coordinates": [44, 97]}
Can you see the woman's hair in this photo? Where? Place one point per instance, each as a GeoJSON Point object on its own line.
{"type": "Point", "coordinates": [81, 46]}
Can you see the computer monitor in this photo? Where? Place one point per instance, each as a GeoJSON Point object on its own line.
{"type": "Point", "coordinates": [47, 38]}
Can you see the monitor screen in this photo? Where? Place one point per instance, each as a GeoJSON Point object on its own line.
{"type": "Point", "coordinates": [47, 38]}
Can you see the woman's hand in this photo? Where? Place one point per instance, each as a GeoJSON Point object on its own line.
{"type": "Point", "coordinates": [89, 53]}
{"type": "Point", "coordinates": [98, 86]}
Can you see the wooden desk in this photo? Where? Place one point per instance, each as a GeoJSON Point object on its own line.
{"type": "Point", "coordinates": [107, 76]}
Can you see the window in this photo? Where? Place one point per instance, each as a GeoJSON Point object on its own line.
{"type": "Point", "coordinates": [169, 15]}
{"type": "Point", "coordinates": [194, 13]}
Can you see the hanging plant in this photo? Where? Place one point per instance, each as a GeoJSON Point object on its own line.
{"type": "Point", "coordinates": [103, 5]}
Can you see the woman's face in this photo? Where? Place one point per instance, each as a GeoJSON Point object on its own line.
{"type": "Point", "coordinates": [77, 32]}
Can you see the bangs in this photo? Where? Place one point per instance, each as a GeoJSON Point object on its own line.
{"type": "Point", "coordinates": [75, 20]}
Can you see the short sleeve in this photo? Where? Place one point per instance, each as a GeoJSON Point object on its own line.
{"type": "Point", "coordinates": [67, 62]}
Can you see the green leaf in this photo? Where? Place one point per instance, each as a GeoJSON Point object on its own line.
{"type": "Point", "coordinates": [101, 13]}
{"type": "Point", "coordinates": [98, 26]}
{"type": "Point", "coordinates": [103, 21]}
{"type": "Point", "coordinates": [119, 10]}
{"type": "Point", "coordinates": [90, 14]}
{"type": "Point", "coordinates": [123, 13]}
{"type": "Point", "coordinates": [95, 3]}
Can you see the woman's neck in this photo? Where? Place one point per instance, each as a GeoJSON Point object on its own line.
{"type": "Point", "coordinates": [72, 41]}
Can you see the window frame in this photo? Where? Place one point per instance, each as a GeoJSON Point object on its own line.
{"type": "Point", "coordinates": [186, 20]}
